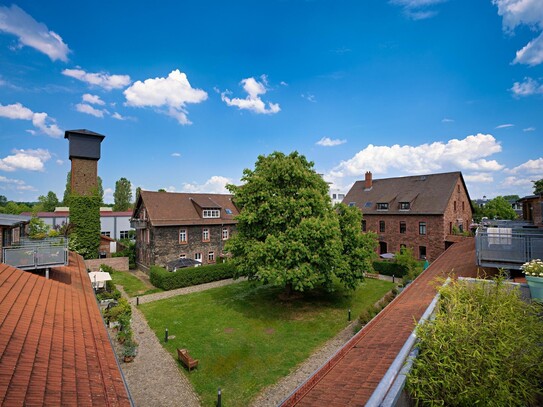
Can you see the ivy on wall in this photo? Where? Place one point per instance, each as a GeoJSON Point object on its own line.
{"type": "Point", "coordinates": [85, 218]}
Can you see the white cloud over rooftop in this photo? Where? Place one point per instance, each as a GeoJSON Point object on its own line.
{"type": "Point", "coordinates": [30, 160]}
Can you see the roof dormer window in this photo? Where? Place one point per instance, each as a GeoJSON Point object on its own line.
{"type": "Point", "coordinates": [405, 206]}
{"type": "Point", "coordinates": [382, 206]}
{"type": "Point", "coordinates": [211, 213]}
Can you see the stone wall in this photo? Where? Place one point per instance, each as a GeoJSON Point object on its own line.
{"type": "Point", "coordinates": [165, 244]}
{"type": "Point", "coordinates": [118, 263]}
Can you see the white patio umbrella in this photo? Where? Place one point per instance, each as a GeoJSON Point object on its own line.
{"type": "Point", "coordinates": [99, 278]}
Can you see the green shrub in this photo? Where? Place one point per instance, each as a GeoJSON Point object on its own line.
{"type": "Point", "coordinates": [190, 276]}
{"type": "Point", "coordinates": [116, 312]}
{"type": "Point", "coordinates": [107, 269]}
{"type": "Point", "coordinates": [388, 268]}
{"type": "Point", "coordinates": [129, 251]}
{"type": "Point", "coordinates": [484, 348]}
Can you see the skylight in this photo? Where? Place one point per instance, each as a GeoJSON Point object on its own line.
{"type": "Point", "coordinates": [228, 211]}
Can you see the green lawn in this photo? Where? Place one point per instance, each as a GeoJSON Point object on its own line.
{"type": "Point", "coordinates": [131, 284]}
{"type": "Point", "coordinates": [246, 338]}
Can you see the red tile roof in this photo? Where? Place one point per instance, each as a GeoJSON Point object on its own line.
{"type": "Point", "coordinates": [351, 376]}
{"type": "Point", "coordinates": [54, 348]}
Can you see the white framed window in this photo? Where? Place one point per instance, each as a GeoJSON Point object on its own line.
{"type": "Point", "coordinates": [123, 234]}
{"type": "Point", "coordinates": [106, 233]}
{"type": "Point", "coordinates": [182, 256]}
{"type": "Point", "coordinates": [212, 213]}
{"type": "Point", "coordinates": [183, 236]}
{"type": "Point", "coordinates": [205, 234]}
{"type": "Point", "coordinates": [198, 256]}
{"type": "Point", "coordinates": [211, 256]}
{"type": "Point", "coordinates": [382, 206]}
{"type": "Point", "coordinates": [225, 233]}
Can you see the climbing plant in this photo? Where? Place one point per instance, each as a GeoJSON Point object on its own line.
{"type": "Point", "coordinates": [85, 218]}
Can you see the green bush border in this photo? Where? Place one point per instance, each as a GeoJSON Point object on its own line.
{"type": "Point", "coordinates": [388, 268]}
{"type": "Point", "coordinates": [186, 277]}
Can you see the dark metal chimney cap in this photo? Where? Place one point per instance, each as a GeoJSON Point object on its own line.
{"type": "Point", "coordinates": [84, 144]}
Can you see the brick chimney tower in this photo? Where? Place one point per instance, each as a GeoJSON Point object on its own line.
{"type": "Point", "coordinates": [368, 181]}
{"type": "Point", "coordinates": [84, 150]}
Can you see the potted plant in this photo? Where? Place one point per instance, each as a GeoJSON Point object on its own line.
{"type": "Point", "coordinates": [130, 349]}
{"type": "Point", "coordinates": [534, 277]}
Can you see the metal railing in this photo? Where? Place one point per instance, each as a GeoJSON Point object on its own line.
{"type": "Point", "coordinates": [37, 254]}
{"type": "Point", "coordinates": [507, 248]}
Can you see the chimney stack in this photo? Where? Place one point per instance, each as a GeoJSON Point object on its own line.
{"type": "Point", "coordinates": [368, 181]}
{"type": "Point", "coordinates": [84, 147]}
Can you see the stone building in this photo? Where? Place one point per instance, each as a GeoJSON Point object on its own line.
{"type": "Point", "coordinates": [182, 225]}
{"type": "Point", "coordinates": [425, 212]}
{"type": "Point", "coordinates": [532, 209]}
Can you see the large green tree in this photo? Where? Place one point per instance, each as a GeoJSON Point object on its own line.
{"type": "Point", "coordinates": [122, 197]}
{"type": "Point", "coordinates": [499, 208]}
{"type": "Point", "coordinates": [288, 234]}
{"type": "Point", "coordinates": [358, 247]}
{"type": "Point", "coordinates": [538, 187]}
{"type": "Point", "coordinates": [48, 202]}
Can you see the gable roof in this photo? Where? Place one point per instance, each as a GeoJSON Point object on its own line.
{"type": "Point", "coordinates": [427, 194]}
{"type": "Point", "coordinates": [177, 208]}
{"type": "Point", "coordinates": [54, 347]}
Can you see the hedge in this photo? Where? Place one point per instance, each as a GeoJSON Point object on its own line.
{"type": "Point", "coordinates": [169, 280]}
{"type": "Point", "coordinates": [389, 268]}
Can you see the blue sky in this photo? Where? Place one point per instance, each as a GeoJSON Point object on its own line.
{"type": "Point", "coordinates": [189, 93]}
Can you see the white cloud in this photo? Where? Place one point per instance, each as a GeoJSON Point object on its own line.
{"type": "Point", "coordinates": [93, 99]}
{"type": "Point", "coordinates": [216, 185]}
{"type": "Point", "coordinates": [60, 162]}
{"type": "Point", "coordinates": [467, 154]}
{"type": "Point", "coordinates": [176, 155]}
{"type": "Point", "coordinates": [529, 167]}
{"type": "Point", "coordinates": [526, 88]}
{"type": "Point", "coordinates": [16, 184]}
{"type": "Point", "coordinates": [504, 126]}
{"type": "Point", "coordinates": [118, 116]}
{"type": "Point", "coordinates": [418, 9]}
{"type": "Point", "coordinates": [14, 20]}
{"type": "Point", "coordinates": [88, 109]}
{"type": "Point", "coordinates": [41, 121]}
{"type": "Point", "coordinates": [481, 177]}
{"type": "Point", "coordinates": [172, 93]}
{"type": "Point", "coordinates": [100, 79]}
{"type": "Point", "coordinates": [529, 129]}
{"type": "Point", "coordinates": [309, 97]}
{"type": "Point", "coordinates": [524, 12]}
{"type": "Point", "coordinates": [447, 120]}
{"type": "Point", "coordinates": [517, 182]}
{"type": "Point", "coordinates": [252, 102]}
{"type": "Point", "coordinates": [328, 142]}
{"type": "Point", "coordinates": [30, 160]}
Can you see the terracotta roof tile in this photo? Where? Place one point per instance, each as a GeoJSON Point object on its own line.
{"type": "Point", "coordinates": [54, 348]}
{"type": "Point", "coordinates": [355, 371]}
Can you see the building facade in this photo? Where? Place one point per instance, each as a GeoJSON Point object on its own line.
{"type": "Point", "coordinates": [425, 213]}
{"type": "Point", "coordinates": [112, 224]}
{"type": "Point", "coordinates": [171, 225]}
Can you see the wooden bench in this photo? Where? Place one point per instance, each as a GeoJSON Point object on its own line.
{"type": "Point", "coordinates": [186, 359]}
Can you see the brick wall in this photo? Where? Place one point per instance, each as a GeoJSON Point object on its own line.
{"type": "Point", "coordinates": [458, 211]}
{"type": "Point", "coordinates": [433, 240]}
{"type": "Point", "coordinates": [118, 263]}
{"type": "Point", "coordinates": [84, 178]}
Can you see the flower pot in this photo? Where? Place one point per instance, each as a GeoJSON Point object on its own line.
{"type": "Point", "coordinates": [128, 359]}
{"type": "Point", "coordinates": [536, 287]}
